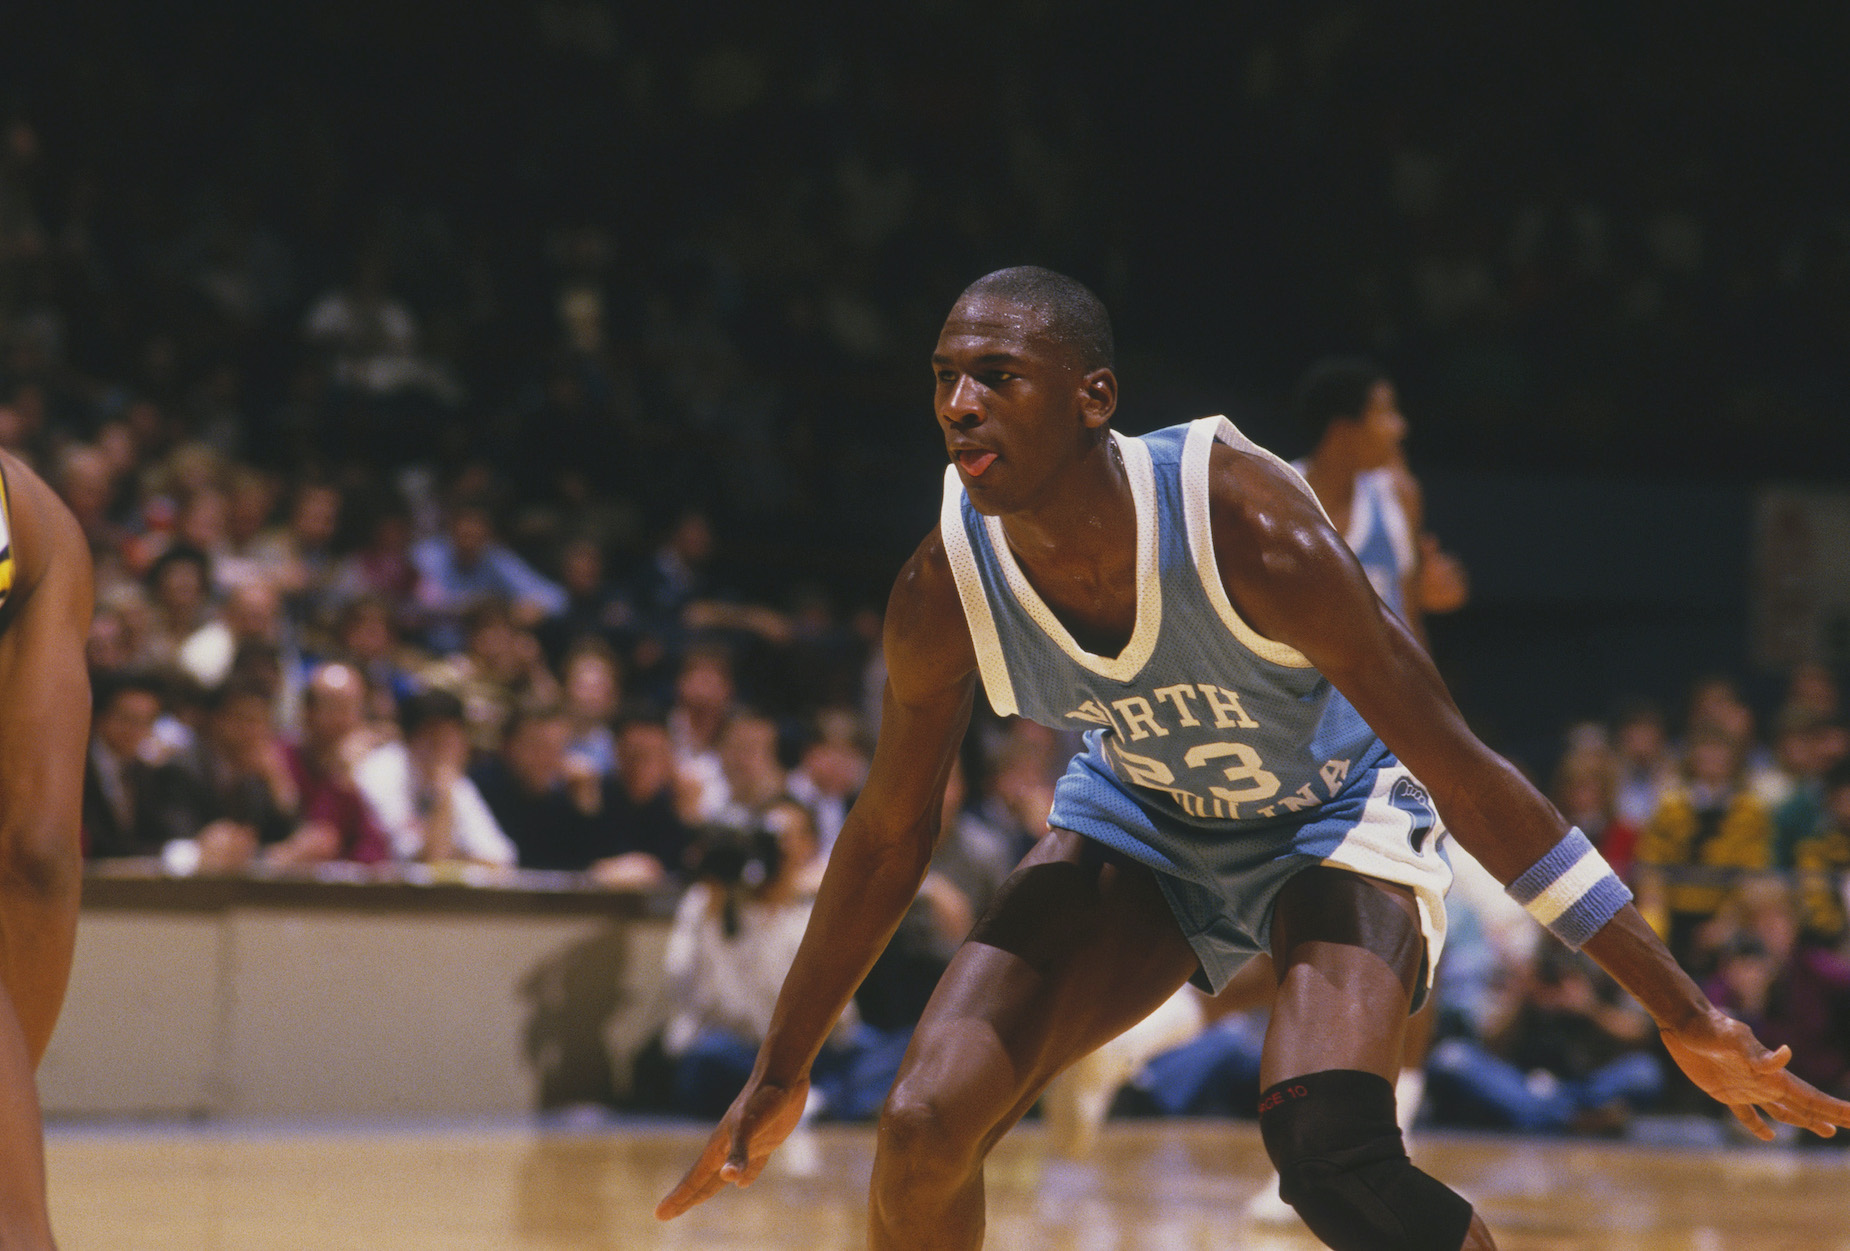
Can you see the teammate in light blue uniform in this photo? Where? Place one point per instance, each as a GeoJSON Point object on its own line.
{"type": "Point", "coordinates": [1381, 537]}
{"type": "Point", "coordinates": [1349, 410]}
{"type": "Point", "coordinates": [1204, 727]}
{"type": "Point", "coordinates": [1186, 596]}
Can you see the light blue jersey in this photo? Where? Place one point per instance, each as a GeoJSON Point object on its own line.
{"type": "Point", "coordinates": [1218, 757]}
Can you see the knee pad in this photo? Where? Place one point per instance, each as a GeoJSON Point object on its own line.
{"type": "Point", "coordinates": [1342, 1165]}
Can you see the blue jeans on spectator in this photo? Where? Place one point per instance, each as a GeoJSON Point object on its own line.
{"type": "Point", "coordinates": [1484, 1089]}
{"type": "Point", "coordinates": [853, 1079]}
{"type": "Point", "coordinates": [1215, 1073]}
{"type": "Point", "coordinates": [709, 1075]}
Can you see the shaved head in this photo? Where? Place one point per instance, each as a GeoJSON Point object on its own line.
{"type": "Point", "coordinates": [1070, 314]}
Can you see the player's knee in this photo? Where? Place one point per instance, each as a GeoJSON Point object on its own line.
{"type": "Point", "coordinates": [1341, 1163]}
{"type": "Point", "coordinates": [922, 1138]}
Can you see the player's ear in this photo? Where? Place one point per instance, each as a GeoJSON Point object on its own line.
{"type": "Point", "coordinates": [1098, 397]}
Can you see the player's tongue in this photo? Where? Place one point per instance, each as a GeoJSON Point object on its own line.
{"type": "Point", "coordinates": [975, 462]}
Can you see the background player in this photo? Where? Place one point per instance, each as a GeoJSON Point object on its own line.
{"type": "Point", "coordinates": [1084, 940]}
{"type": "Point", "coordinates": [1351, 411]}
{"type": "Point", "coordinates": [45, 578]}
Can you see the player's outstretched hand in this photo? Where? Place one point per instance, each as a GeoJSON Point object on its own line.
{"type": "Point", "coordinates": [760, 1118]}
{"type": "Point", "coordinates": [1722, 1056]}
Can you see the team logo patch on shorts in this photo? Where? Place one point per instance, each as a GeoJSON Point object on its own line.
{"type": "Point", "coordinates": [1411, 798]}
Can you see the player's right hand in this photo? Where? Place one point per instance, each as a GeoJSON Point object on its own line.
{"type": "Point", "coordinates": [1722, 1056]}
{"type": "Point", "coordinates": [760, 1118]}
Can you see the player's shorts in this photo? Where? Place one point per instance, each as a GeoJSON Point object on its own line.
{"type": "Point", "coordinates": [1222, 883]}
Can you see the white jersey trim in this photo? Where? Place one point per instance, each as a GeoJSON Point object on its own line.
{"type": "Point", "coordinates": [1197, 449]}
{"type": "Point", "coordinates": [990, 661]}
{"type": "Point", "coordinates": [1142, 645]}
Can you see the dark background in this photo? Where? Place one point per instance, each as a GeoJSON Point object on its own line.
{"type": "Point", "coordinates": [1604, 247]}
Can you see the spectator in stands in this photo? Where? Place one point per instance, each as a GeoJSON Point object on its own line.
{"type": "Point", "coordinates": [1789, 994]}
{"type": "Point", "coordinates": [135, 802]}
{"type": "Point", "coordinates": [676, 574]}
{"type": "Point", "coordinates": [1813, 688]}
{"type": "Point", "coordinates": [643, 806]}
{"type": "Point", "coordinates": [421, 792]}
{"type": "Point", "coordinates": [1572, 1054]}
{"type": "Point", "coordinates": [1586, 792]}
{"type": "Point", "coordinates": [1823, 862]}
{"type": "Point", "coordinates": [251, 499]}
{"type": "Point", "coordinates": [1715, 704]}
{"type": "Point", "coordinates": [1646, 764]}
{"type": "Point", "coordinates": [1017, 794]}
{"type": "Point", "coordinates": [365, 638]}
{"type": "Point", "coordinates": [500, 666]}
{"type": "Point", "coordinates": [1805, 748]}
{"type": "Point", "coordinates": [337, 824]}
{"type": "Point", "coordinates": [298, 558]}
{"type": "Point", "coordinates": [180, 586]}
{"type": "Point", "coordinates": [593, 690]}
{"type": "Point", "coordinates": [748, 760]}
{"type": "Point", "coordinates": [107, 648]}
{"type": "Point", "coordinates": [87, 486]}
{"type": "Point", "coordinates": [525, 786]}
{"type": "Point", "coordinates": [251, 613]}
{"type": "Point", "coordinates": [383, 568]}
{"type": "Point", "coordinates": [123, 628]}
{"type": "Point", "coordinates": [251, 804]}
{"type": "Point", "coordinates": [1707, 830]}
{"type": "Point", "coordinates": [201, 524]}
{"type": "Point", "coordinates": [973, 855]}
{"type": "Point", "coordinates": [831, 771]}
{"type": "Point", "coordinates": [703, 703]}
{"type": "Point", "coordinates": [595, 608]}
{"type": "Point", "coordinates": [821, 664]}
{"type": "Point", "coordinates": [467, 566]}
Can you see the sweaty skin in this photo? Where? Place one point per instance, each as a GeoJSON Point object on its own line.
{"type": "Point", "coordinates": [44, 732]}
{"type": "Point", "coordinates": [1079, 944]}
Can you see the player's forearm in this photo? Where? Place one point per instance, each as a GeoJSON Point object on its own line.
{"type": "Point", "coordinates": [1507, 824]}
{"type": "Point", "coordinates": [871, 880]}
{"type": "Point", "coordinates": [1495, 814]}
{"type": "Point", "coordinates": [1630, 950]}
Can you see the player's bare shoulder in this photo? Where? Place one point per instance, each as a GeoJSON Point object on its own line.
{"type": "Point", "coordinates": [928, 647]}
{"type": "Point", "coordinates": [1266, 523]}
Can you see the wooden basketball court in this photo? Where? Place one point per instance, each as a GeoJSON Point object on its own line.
{"type": "Point", "coordinates": [1169, 1187]}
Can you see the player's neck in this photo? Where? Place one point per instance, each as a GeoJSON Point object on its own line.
{"type": "Point", "coordinates": [1088, 514]}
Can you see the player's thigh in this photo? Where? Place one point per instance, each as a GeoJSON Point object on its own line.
{"type": "Point", "coordinates": [1079, 945]}
{"type": "Point", "coordinates": [1349, 951]}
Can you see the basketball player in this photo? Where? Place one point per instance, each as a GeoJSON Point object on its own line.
{"type": "Point", "coordinates": [1184, 596]}
{"type": "Point", "coordinates": [45, 590]}
{"type": "Point", "coordinates": [1351, 411]}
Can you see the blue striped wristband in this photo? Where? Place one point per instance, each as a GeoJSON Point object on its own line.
{"type": "Point", "coordinates": [1571, 890]}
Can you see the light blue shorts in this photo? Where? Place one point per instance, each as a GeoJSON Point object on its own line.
{"type": "Point", "coordinates": [1222, 880]}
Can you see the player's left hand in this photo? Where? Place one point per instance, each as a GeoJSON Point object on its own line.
{"type": "Point", "coordinates": [1722, 1056]}
{"type": "Point", "coordinates": [761, 1117]}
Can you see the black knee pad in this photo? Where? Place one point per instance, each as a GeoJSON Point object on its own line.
{"type": "Point", "coordinates": [1342, 1165]}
